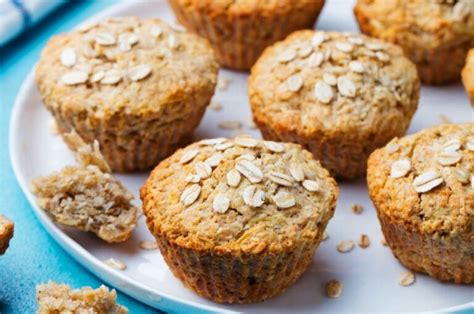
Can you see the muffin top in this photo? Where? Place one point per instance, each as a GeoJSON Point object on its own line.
{"type": "Point", "coordinates": [429, 24]}
{"type": "Point", "coordinates": [314, 81]}
{"type": "Point", "coordinates": [128, 66]}
{"type": "Point", "coordinates": [241, 195]}
{"type": "Point", "coordinates": [243, 7]}
{"type": "Point", "coordinates": [426, 180]}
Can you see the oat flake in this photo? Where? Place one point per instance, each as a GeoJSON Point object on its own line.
{"type": "Point", "coordinates": [297, 172]}
{"type": "Point", "coordinates": [139, 72]}
{"type": "Point", "coordinates": [294, 83]}
{"type": "Point", "coordinates": [148, 245]}
{"type": "Point", "coordinates": [249, 170]}
{"type": "Point", "coordinates": [407, 279]}
{"type": "Point", "coordinates": [233, 178]}
{"type": "Point", "coordinates": [323, 92]}
{"type": "Point", "coordinates": [188, 156]}
{"type": "Point", "coordinates": [427, 181]}
{"type": "Point", "coordinates": [221, 203]}
{"type": "Point", "coordinates": [190, 194]}
{"type": "Point", "coordinates": [104, 39]}
{"type": "Point", "coordinates": [274, 146]}
{"type": "Point", "coordinates": [345, 246]}
{"type": "Point", "coordinates": [116, 264]}
{"type": "Point", "coordinates": [310, 185]}
{"type": "Point", "coordinates": [203, 170]}
{"type": "Point", "coordinates": [448, 158]}
{"type": "Point", "coordinates": [345, 86]}
{"type": "Point", "coordinates": [280, 178]}
{"type": "Point", "coordinates": [111, 77]}
{"type": "Point", "coordinates": [284, 200]}
{"type": "Point", "coordinates": [364, 241]}
{"type": "Point", "coordinates": [400, 168]}
{"type": "Point", "coordinates": [74, 78]}
{"type": "Point", "coordinates": [253, 197]}
{"type": "Point", "coordinates": [68, 57]}
{"type": "Point", "coordinates": [333, 289]}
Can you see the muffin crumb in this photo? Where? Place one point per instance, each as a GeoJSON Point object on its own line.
{"type": "Point", "coordinates": [6, 233]}
{"type": "Point", "coordinates": [334, 289]}
{"type": "Point", "coordinates": [407, 279]}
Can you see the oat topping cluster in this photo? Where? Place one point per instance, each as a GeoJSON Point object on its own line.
{"type": "Point", "coordinates": [448, 154]}
{"type": "Point", "coordinates": [96, 61]}
{"type": "Point", "coordinates": [244, 168]}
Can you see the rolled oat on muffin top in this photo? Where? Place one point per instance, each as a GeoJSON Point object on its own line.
{"type": "Point", "coordinates": [340, 95]}
{"type": "Point", "coordinates": [138, 86]}
{"type": "Point", "coordinates": [435, 35]}
{"type": "Point", "coordinates": [422, 186]}
{"type": "Point", "coordinates": [239, 30]}
{"type": "Point", "coordinates": [229, 215]}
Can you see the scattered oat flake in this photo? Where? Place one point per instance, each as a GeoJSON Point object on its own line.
{"type": "Point", "coordinates": [193, 178]}
{"type": "Point", "coordinates": [451, 145]}
{"type": "Point", "coordinates": [274, 146]}
{"type": "Point", "coordinates": [444, 118]}
{"type": "Point", "coordinates": [346, 86]}
{"type": "Point", "coordinates": [325, 236]}
{"type": "Point", "coordinates": [246, 142]}
{"type": "Point", "coordinates": [382, 56]}
{"type": "Point", "coordinates": [329, 79]}
{"type": "Point", "coordinates": [407, 279]}
{"type": "Point", "coordinates": [400, 168]}
{"type": "Point", "coordinates": [427, 181]}
{"type": "Point", "coordinates": [357, 208]}
{"type": "Point", "coordinates": [472, 182]}
{"type": "Point", "coordinates": [287, 55]}
{"type": "Point", "coordinates": [315, 59]}
{"type": "Point", "coordinates": [68, 57]}
{"type": "Point", "coordinates": [116, 264]}
{"type": "Point", "coordinates": [221, 203]}
{"type": "Point", "coordinates": [97, 76]}
{"type": "Point", "coordinates": [230, 125]}
{"type": "Point", "coordinates": [356, 66]}
{"type": "Point", "coordinates": [148, 245]}
{"type": "Point", "coordinates": [223, 83]}
{"type": "Point", "coordinates": [139, 72]}
{"type": "Point", "coordinates": [281, 178]}
{"type": "Point", "coordinates": [249, 170]}
{"type": "Point", "coordinates": [213, 141]}
{"type": "Point", "coordinates": [54, 127]}
{"type": "Point", "coordinates": [233, 178]}
{"type": "Point", "coordinates": [156, 31]}
{"type": "Point", "coordinates": [253, 196]}
{"type": "Point", "coordinates": [172, 42]}
{"type": "Point", "coordinates": [111, 77]}
{"type": "Point", "coordinates": [214, 160]}
{"type": "Point", "coordinates": [188, 156]}
{"type": "Point", "coordinates": [392, 147]}
{"type": "Point", "coordinates": [318, 39]}
{"type": "Point", "coordinates": [364, 241]}
{"type": "Point", "coordinates": [203, 170]}
{"type": "Point", "coordinates": [305, 51]}
{"type": "Point", "coordinates": [214, 105]}
{"type": "Point", "coordinates": [294, 82]}
{"type": "Point", "coordinates": [190, 194]}
{"type": "Point", "coordinates": [311, 185]}
{"type": "Point", "coordinates": [323, 92]}
{"type": "Point", "coordinates": [448, 158]}
{"type": "Point", "coordinates": [374, 46]}
{"type": "Point", "coordinates": [224, 146]}
{"type": "Point", "coordinates": [297, 172]}
{"type": "Point", "coordinates": [74, 78]}
{"type": "Point", "coordinates": [344, 47]}
{"type": "Point", "coordinates": [383, 241]}
{"type": "Point", "coordinates": [460, 11]}
{"type": "Point", "coordinates": [461, 174]}
{"type": "Point", "coordinates": [345, 246]}
{"type": "Point", "coordinates": [470, 143]}
{"type": "Point", "coordinates": [284, 200]}
{"type": "Point", "coordinates": [104, 39]}
{"type": "Point", "coordinates": [333, 289]}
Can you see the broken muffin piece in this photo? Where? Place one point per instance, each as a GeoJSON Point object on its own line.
{"type": "Point", "coordinates": [6, 233]}
{"type": "Point", "coordinates": [87, 196]}
{"type": "Point", "coordinates": [59, 298]}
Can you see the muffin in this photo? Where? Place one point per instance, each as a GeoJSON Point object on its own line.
{"type": "Point", "coordinates": [140, 87]}
{"type": "Point", "coordinates": [435, 35]}
{"type": "Point", "coordinates": [468, 76]}
{"type": "Point", "coordinates": [6, 233]}
{"type": "Point", "coordinates": [59, 298]}
{"type": "Point", "coordinates": [238, 221]}
{"type": "Point", "coordinates": [240, 30]}
{"type": "Point", "coordinates": [422, 186]}
{"type": "Point", "coordinates": [340, 95]}
{"type": "Point", "coordinates": [87, 197]}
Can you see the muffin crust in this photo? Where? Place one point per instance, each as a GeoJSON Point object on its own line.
{"type": "Point", "coordinates": [137, 86]}
{"type": "Point", "coordinates": [468, 76]}
{"type": "Point", "coordinates": [339, 95]}
{"type": "Point", "coordinates": [258, 205]}
{"type": "Point", "coordinates": [239, 30]}
{"type": "Point", "coordinates": [426, 208]}
{"type": "Point", "coordinates": [430, 32]}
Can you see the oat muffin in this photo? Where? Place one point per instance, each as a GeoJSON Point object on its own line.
{"type": "Point", "coordinates": [239, 30]}
{"type": "Point", "coordinates": [422, 186]}
{"type": "Point", "coordinates": [139, 87]}
{"type": "Point", "coordinates": [468, 76]}
{"type": "Point", "coordinates": [55, 298]}
{"type": "Point", "coordinates": [6, 233]}
{"type": "Point", "coordinates": [87, 196]}
{"type": "Point", "coordinates": [340, 95]}
{"type": "Point", "coordinates": [435, 35]}
{"type": "Point", "coordinates": [238, 221]}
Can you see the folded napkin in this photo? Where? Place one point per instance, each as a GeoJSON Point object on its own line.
{"type": "Point", "coordinates": [17, 15]}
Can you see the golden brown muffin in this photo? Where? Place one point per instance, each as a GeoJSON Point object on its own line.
{"type": "Point", "coordinates": [435, 35]}
{"type": "Point", "coordinates": [53, 298]}
{"type": "Point", "coordinates": [238, 221]}
{"type": "Point", "coordinates": [239, 30]}
{"type": "Point", "coordinates": [139, 87]}
{"type": "Point", "coordinates": [88, 197]}
{"type": "Point", "coordinates": [339, 95]}
{"type": "Point", "coordinates": [6, 233]}
{"type": "Point", "coordinates": [422, 186]}
{"type": "Point", "coordinates": [468, 76]}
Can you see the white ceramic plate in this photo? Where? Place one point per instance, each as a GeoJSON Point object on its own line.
{"type": "Point", "coordinates": [370, 276]}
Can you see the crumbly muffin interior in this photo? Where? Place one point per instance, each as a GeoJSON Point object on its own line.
{"type": "Point", "coordinates": [59, 298]}
{"type": "Point", "coordinates": [241, 193]}
{"type": "Point", "coordinates": [88, 197]}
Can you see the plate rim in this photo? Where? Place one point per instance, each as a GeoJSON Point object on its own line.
{"type": "Point", "coordinates": [117, 280]}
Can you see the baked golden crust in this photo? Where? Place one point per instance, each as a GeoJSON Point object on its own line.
{"type": "Point", "coordinates": [428, 224]}
{"type": "Point", "coordinates": [468, 76]}
{"type": "Point", "coordinates": [339, 95]}
{"type": "Point", "coordinates": [55, 298]}
{"type": "Point", "coordinates": [138, 86]}
{"type": "Point", "coordinates": [430, 32]}
{"type": "Point", "coordinates": [239, 30]}
{"type": "Point", "coordinates": [259, 208]}
{"type": "Point", "coordinates": [6, 233]}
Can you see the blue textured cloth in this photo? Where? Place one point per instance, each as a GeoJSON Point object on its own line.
{"type": "Point", "coordinates": [33, 256]}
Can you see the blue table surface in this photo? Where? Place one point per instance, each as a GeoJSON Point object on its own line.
{"type": "Point", "coordinates": [33, 256]}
